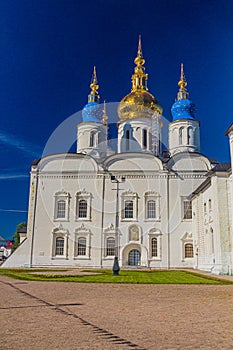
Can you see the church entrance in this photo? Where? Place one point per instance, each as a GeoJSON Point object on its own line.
{"type": "Point", "coordinates": [134, 258]}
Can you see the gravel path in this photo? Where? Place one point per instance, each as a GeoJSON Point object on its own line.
{"type": "Point", "coordinates": [57, 315]}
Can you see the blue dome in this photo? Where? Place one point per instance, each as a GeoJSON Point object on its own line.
{"type": "Point", "coordinates": [92, 112]}
{"type": "Point", "coordinates": [183, 109]}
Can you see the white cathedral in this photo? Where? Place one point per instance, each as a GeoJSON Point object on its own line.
{"type": "Point", "coordinates": [144, 205]}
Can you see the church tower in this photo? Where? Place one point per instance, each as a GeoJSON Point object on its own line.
{"type": "Point", "coordinates": [184, 130]}
{"type": "Point", "coordinates": [139, 128]}
{"type": "Point", "coordinates": [92, 131]}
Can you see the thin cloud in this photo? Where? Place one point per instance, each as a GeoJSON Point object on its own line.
{"type": "Point", "coordinates": [20, 144]}
{"type": "Point", "coordinates": [13, 210]}
{"type": "Point", "coordinates": [13, 176]}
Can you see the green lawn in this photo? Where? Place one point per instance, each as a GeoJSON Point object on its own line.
{"type": "Point", "coordinates": [105, 276]}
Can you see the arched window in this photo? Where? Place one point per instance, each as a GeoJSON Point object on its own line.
{"type": "Point", "coordinates": [151, 209]}
{"type": "Point", "coordinates": [59, 247]}
{"type": "Point", "coordinates": [188, 250]}
{"type": "Point", "coordinates": [154, 247]}
{"type": "Point", "coordinates": [127, 136]}
{"type": "Point", "coordinates": [128, 209]}
{"type": "Point", "coordinates": [144, 138]}
{"type": "Point", "coordinates": [61, 209]}
{"type": "Point", "coordinates": [110, 246]}
{"type": "Point", "coordinates": [181, 136]}
{"type": "Point", "coordinates": [210, 204]}
{"type": "Point", "coordinates": [92, 139]}
{"type": "Point", "coordinates": [82, 246]}
{"type": "Point", "coordinates": [205, 208]}
{"type": "Point", "coordinates": [82, 208]}
{"type": "Point", "coordinates": [190, 135]}
{"type": "Point", "coordinates": [212, 240]}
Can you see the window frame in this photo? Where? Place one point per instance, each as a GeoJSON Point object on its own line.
{"type": "Point", "coordinates": [83, 196]}
{"type": "Point", "coordinates": [187, 210]}
{"type": "Point", "coordinates": [59, 249]}
{"type": "Point", "coordinates": [187, 238]}
{"type": "Point", "coordinates": [59, 232]}
{"type": "Point", "coordinates": [186, 244]}
{"type": "Point", "coordinates": [82, 232]}
{"type": "Point", "coordinates": [82, 248]}
{"type": "Point", "coordinates": [128, 209]}
{"type": "Point", "coordinates": [110, 248]}
{"type": "Point", "coordinates": [61, 196]}
{"type": "Point", "coordinates": [129, 196]}
{"type": "Point", "coordinates": [148, 197]}
{"type": "Point", "coordinates": [150, 210]}
{"type": "Point", "coordinates": [155, 233]}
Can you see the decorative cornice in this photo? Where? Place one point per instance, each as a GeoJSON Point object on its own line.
{"type": "Point", "coordinates": [82, 228]}
{"type": "Point", "coordinates": [110, 229]}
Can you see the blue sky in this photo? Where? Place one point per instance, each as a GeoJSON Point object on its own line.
{"type": "Point", "coordinates": [48, 50]}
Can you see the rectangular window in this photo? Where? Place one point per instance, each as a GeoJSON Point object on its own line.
{"type": "Point", "coordinates": [188, 250]}
{"type": "Point", "coordinates": [187, 205]}
{"type": "Point", "coordinates": [110, 250]}
{"type": "Point", "coordinates": [154, 247]}
{"type": "Point", "coordinates": [61, 209]}
{"type": "Point", "coordinates": [129, 210]}
{"type": "Point", "coordinates": [151, 209]}
{"type": "Point", "coordinates": [82, 208]}
{"type": "Point", "coordinates": [82, 246]}
{"type": "Point", "coordinates": [59, 250]}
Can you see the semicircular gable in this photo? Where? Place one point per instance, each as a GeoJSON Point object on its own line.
{"type": "Point", "coordinates": [188, 162]}
{"type": "Point", "coordinates": [68, 163]}
{"type": "Point", "coordinates": [133, 162]}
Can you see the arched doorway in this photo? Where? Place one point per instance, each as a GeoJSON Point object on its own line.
{"type": "Point", "coordinates": [134, 258]}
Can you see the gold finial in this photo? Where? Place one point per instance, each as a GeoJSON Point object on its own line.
{"type": "Point", "coordinates": [139, 77]}
{"type": "Point", "coordinates": [94, 96]}
{"type": "Point", "coordinates": [182, 93]}
{"type": "Point", "coordinates": [140, 44]}
{"type": "Point", "coordinates": [105, 117]}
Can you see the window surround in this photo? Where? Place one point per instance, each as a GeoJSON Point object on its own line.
{"type": "Point", "coordinates": [155, 233]}
{"type": "Point", "coordinates": [152, 196]}
{"type": "Point", "coordinates": [187, 238]}
{"type": "Point", "coordinates": [83, 195]}
{"type": "Point", "coordinates": [82, 232]}
{"type": "Point", "coordinates": [60, 232]}
{"type": "Point", "coordinates": [129, 196]}
{"type": "Point", "coordinates": [185, 214]}
{"type": "Point", "coordinates": [59, 197]}
{"type": "Point", "coordinates": [109, 232]}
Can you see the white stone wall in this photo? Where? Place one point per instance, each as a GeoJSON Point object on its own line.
{"type": "Point", "coordinates": [184, 136]}
{"type": "Point", "coordinates": [98, 145]}
{"type": "Point", "coordinates": [135, 128]}
{"type": "Point", "coordinates": [211, 226]}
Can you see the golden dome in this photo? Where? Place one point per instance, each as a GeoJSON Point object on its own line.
{"type": "Point", "coordinates": [139, 103]}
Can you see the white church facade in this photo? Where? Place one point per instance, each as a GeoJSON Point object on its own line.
{"type": "Point", "coordinates": [148, 207]}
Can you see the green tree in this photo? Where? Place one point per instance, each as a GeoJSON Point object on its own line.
{"type": "Point", "coordinates": [16, 237]}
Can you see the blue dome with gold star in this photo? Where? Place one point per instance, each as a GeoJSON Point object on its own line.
{"type": "Point", "coordinates": [92, 111]}
{"type": "Point", "coordinates": [183, 109]}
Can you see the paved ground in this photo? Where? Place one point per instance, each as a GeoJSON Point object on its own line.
{"type": "Point", "coordinates": [57, 315]}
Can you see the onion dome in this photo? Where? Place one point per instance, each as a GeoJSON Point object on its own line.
{"type": "Point", "coordinates": [92, 111]}
{"type": "Point", "coordinates": [139, 103]}
{"type": "Point", "coordinates": [183, 108]}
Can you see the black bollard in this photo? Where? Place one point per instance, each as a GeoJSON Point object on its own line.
{"type": "Point", "coordinates": [116, 267]}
